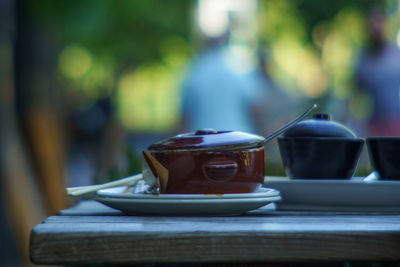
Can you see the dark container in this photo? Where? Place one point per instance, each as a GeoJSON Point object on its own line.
{"type": "Point", "coordinates": [212, 162]}
{"type": "Point", "coordinates": [384, 153]}
{"type": "Point", "coordinates": [320, 148]}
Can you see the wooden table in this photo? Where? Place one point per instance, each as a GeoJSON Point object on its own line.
{"type": "Point", "coordinates": [93, 233]}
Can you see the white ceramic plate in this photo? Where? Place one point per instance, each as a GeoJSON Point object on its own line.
{"type": "Point", "coordinates": [125, 192]}
{"type": "Point", "coordinates": [337, 195]}
{"type": "Point", "coordinates": [212, 205]}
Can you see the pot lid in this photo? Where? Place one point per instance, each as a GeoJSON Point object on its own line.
{"type": "Point", "coordinates": [209, 140]}
{"type": "Point", "coordinates": [321, 125]}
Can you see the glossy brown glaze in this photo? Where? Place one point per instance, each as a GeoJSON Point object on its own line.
{"type": "Point", "coordinates": [214, 172]}
{"type": "Point", "coordinates": [209, 139]}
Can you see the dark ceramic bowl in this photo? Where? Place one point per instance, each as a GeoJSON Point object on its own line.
{"type": "Point", "coordinates": [320, 157]}
{"type": "Point", "coordinates": [320, 148]}
{"type": "Point", "coordinates": [384, 153]}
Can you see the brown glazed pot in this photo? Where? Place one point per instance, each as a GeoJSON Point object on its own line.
{"type": "Point", "coordinates": [212, 162]}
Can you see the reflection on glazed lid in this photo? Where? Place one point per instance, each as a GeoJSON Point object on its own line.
{"type": "Point", "coordinates": [321, 125]}
{"type": "Point", "coordinates": [209, 140]}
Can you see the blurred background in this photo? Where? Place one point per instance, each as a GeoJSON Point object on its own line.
{"type": "Point", "coordinates": [87, 85]}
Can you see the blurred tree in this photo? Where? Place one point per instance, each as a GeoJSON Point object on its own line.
{"type": "Point", "coordinates": [70, 58]}
{"type": "Point", "coordinates": [130, 32]}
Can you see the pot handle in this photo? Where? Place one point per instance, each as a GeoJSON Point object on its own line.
{"type": "Point", "coordinates": [220, 170]}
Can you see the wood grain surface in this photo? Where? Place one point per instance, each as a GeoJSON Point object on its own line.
{"type": "Point", "coordinates": [263, 236]}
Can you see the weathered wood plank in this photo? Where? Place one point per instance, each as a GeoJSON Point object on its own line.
{"type": "Point", "coordinates": [204, 246]}
{"type": "Point", "coordinates": [106, 236]}
{"type": "Point", "coordinates": [90, 207]}
{"type": "Point", "coordinates": [275, 238]}
{"type": "Point", "coordinates": [274, 222]}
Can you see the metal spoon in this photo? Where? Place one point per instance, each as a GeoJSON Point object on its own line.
{"type": "Point", "coordinates": [290, 124]}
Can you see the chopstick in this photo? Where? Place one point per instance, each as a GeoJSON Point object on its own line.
{"type": "Point", "coordinates": [81, 190]}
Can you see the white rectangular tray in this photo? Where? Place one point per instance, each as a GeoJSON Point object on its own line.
{"type": "Point", "coordinates": [336, 195]}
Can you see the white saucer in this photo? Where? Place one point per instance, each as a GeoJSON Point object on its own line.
{"type": "Point", "coordinates": [125, 192]}
{"type": "Point", "coordinates": [337, 195]}
{"type": "Point", "coordinates": [226, 204]}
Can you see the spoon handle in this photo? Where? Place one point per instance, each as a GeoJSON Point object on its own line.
{"type": "Point", "coordinates": [290, 124]}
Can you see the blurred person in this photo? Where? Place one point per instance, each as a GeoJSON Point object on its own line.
{"type": "Point", "coordinates": [378, 73]}
{"type": "Point", "coordinates": [217, 96]}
